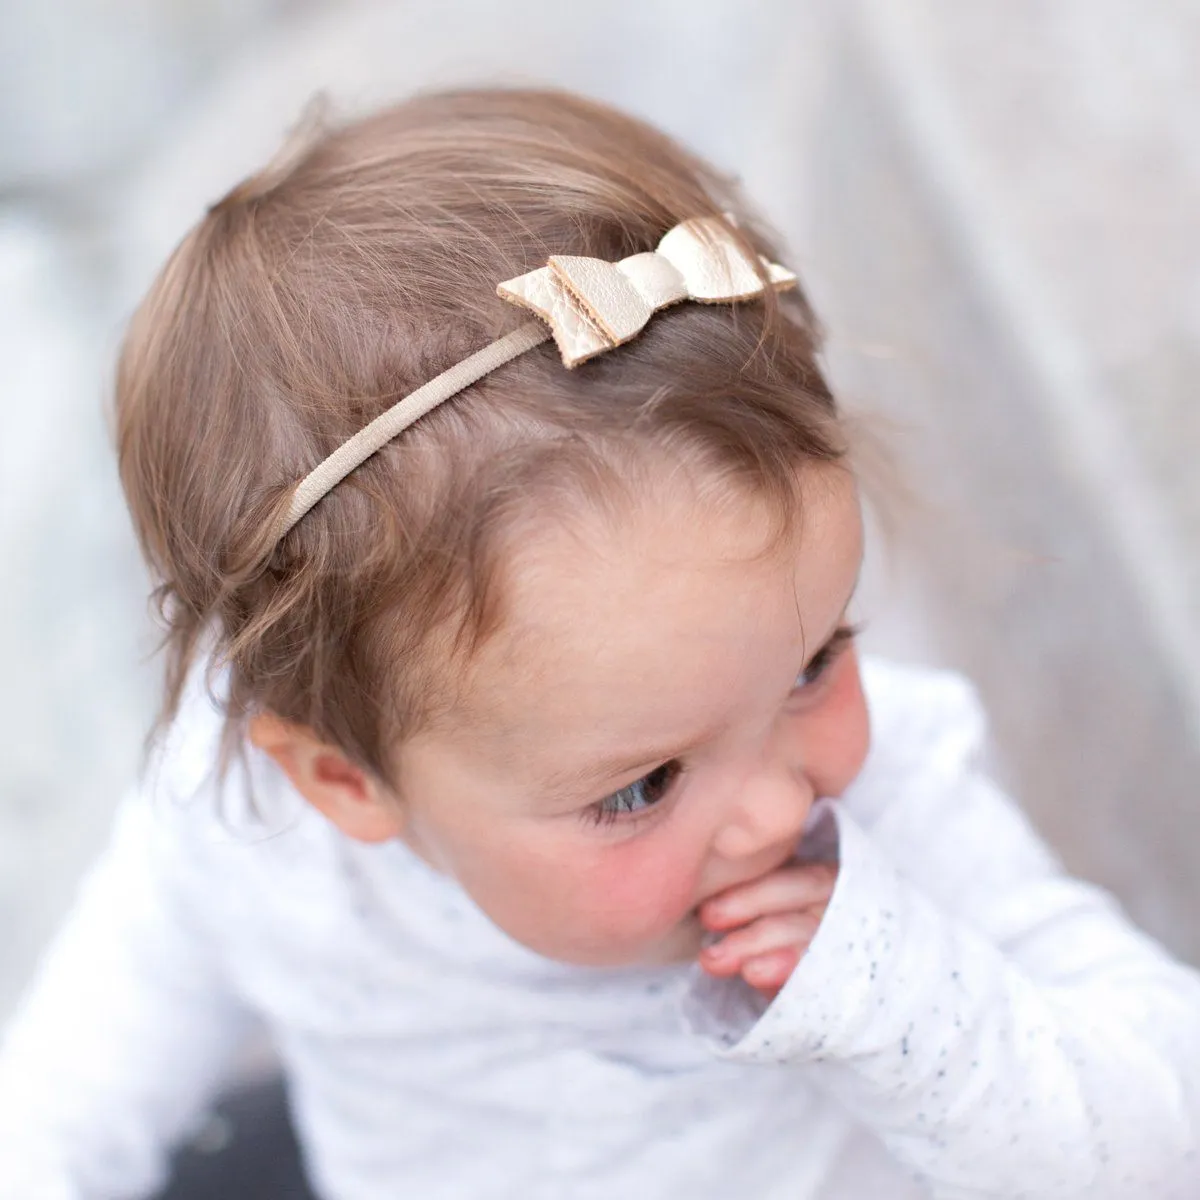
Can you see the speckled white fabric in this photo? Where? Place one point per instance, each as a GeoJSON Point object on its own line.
{"type": "Point", "coordinates": [969, 1022]}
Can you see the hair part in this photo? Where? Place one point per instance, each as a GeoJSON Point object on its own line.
{"type": "Point", "coordinates": [351, 271]}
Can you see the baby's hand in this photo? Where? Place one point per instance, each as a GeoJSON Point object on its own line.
{"type": "Point", "coordinates": [767, 924]}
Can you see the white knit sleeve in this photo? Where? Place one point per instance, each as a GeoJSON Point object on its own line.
{"type": "Point", "coordinates": [1000, 1026]}
{"type": "Point", "coordinates": [125, 1033]}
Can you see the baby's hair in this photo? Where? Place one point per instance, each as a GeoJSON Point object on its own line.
{"type": "Point", "coordinates": [347, 274]}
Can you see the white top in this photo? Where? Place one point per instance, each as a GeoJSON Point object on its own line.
{"type": "Point", "coordinates": [969, 1022]}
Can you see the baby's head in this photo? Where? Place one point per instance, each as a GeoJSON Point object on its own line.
{"type": "Point", "coordinates": [577, 636]}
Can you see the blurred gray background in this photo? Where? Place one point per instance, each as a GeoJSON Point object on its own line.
{"type": "Point", "coordinates": [993, 204]}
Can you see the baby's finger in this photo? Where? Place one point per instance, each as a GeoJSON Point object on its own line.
{"type": "Point", "coordinates": [789, 888]}
{"type": "Point", "coordinates": [782, 931]}
{"type": "Point", "coordinates": [769, 972]}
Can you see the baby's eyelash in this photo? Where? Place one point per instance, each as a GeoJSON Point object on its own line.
{"type": "Point", "coordinates": [635, 799]}
{"type": "Point", "coordinates": [828, 654]}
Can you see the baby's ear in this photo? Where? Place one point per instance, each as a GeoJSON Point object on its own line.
{"type": "Point", "coordinates": [353, 799]}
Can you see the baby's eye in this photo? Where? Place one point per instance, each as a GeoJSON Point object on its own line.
{"type": "Point", "coordinates": [638, 796]}
{"type": "Point", "coordinates": [823, 660]}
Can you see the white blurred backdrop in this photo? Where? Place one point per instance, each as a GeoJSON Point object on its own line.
{"type": "Point", "coordinates": [991, 203]}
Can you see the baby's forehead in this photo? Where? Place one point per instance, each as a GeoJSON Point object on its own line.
{"type": "Point", "coordinates": [597, 613]}
{"type": "Point", "coordinates": [613, 562]}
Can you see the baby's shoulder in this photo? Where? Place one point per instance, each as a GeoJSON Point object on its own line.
{"type": "Point", "coordinates": [927, 727]}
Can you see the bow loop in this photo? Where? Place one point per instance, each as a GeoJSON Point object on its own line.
{"type": "Point", "coordinates": [714, 267]}
{"type": "Point", "coordinates": [609, 298]}
{"type": "Point", "coordinates": [592, 305]}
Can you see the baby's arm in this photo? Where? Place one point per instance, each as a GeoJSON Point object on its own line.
{"type": "Point", "coordinates": [125, 1033]}
{"type": "Point", "coordinates": [999, 1025]}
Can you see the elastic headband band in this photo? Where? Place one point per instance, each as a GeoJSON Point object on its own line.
{"type": "Point", "coordinates": [589, 306]}
{"type": "Point", "coordinates": [373, 437]}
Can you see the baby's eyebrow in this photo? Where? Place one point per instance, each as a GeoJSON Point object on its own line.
{"type": "Point", "coordinates": [614, 766]}
{"type": "Point", "coordinates": [633, 765]}
{"type": "Point", "coordinates": [841, 632]}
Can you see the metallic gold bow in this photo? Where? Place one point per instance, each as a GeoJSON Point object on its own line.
{"type": "Point", "coordinates": [592, 305]}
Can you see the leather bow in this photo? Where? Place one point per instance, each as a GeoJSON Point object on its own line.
{"type": "Point", "coordinates": [592, 305]}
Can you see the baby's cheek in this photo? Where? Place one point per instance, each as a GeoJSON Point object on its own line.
{"type": "Point", "coordinates": [841, 729]}
{"type": "Point", "coordinates": [639, 891]}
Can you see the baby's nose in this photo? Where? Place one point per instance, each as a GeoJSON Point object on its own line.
{"type": "Point", "coordinates": [770, 813]}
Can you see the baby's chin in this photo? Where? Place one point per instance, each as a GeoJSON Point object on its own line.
{"type": "Point", "coordinates": [680, 944]}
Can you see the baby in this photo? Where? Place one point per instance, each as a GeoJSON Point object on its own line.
{"type": "Point", "coordinates": [517, 770]}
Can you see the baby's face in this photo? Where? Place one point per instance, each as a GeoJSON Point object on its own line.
{"type": "Point", "coordinates": [650, 727]}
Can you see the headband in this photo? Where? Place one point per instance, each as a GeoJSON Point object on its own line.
{"type": "Point", "coordinates": [588, 306]}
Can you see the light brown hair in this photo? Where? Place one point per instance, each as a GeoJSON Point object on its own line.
{"type": "Point", "coordinates": [344, 276]}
